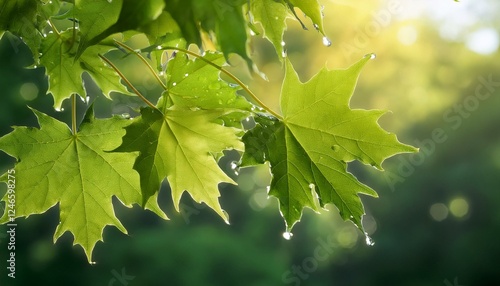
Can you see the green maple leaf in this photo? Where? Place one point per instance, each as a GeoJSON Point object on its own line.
{"type": "Point", "coordinates": [198, 118]}
{"type": "Point", "coordinates": [65, 71]}
{"type": "Point", "coordinates": [312, 9]}
{"type": "Point", "coordinates": [99, 19]}
{"type": "Point", "coordinates": [26, 19]}
{"type": "Point", "coordinates": [223, 20]}
{"type": "Point", "coordinates": [310, 148]}
{"type": "Point", "coordinates": [272, 16]}
{"type": "Point", "coordinates": [55, 166]}
{"type": "Point", "coordinates": [183, 146]}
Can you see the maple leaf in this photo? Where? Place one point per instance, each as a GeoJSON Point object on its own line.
{"type": "Point", "coordinates": [181, 145]}
{"type": "Point", "coordinates": [309, 148]}
{"type": "Point", "coordinates": [199, 116]}
{"type": "Point", "coordinates": [27, 19]}
{"type": "Point", "coordinates": [55, 166]}
{"type": "Point", "coordinates": [65, 72]}
{"type": "Point", "coordinates": [222, 20]}
{"type": "Point", "coordinates": [99, 19]}
{"type": "Point", "coordinates": [272, 16]}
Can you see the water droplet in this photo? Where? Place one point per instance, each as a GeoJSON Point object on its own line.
{"type": "Point", "coordinates": [371, 56]}
{"type": "Point", "coordinates": [252, 33]}
{"type": "Point", "coordinates": [174, 84]}
{"type": "Point", "coordinates": [247, 119]}
{"type": "Point", "coordinates": [283, 43]}
{"type": "Point", "coordinates": [283, 53]}
{"type": "Point", "coordinates": [186, 74]}
{"type": "Point", "coordinates": [87, 99]}
{"type": "Point", "coordinates": [369, 241]}
{"type": "Point", "coordinates": [194, 108]}
{"type": "Point", "coordinates": [35, 66]}
{"type": "Point", "coordinates": [162, 73]}
{"type": "Point", "coordinates": [226, 217]}
{"type": "Point", "coordinates": [287, 235]}
{"type": "Point", "coordinates": [326, 42]}
{"type": "Point", "coordinates": [59, 109]}
{"type": "Point", "coordinates": [234, 165]}
{"type": "Point", "coordinates": [125, 115]}
{"type": "Point", "coordinates": [158, 47]}
{"type": "Point", "coordinates": [268, 188]}
{"type": "Point", "coordinates": [316, 27]}
{"type": "Point", "coordinates": [311, 186]}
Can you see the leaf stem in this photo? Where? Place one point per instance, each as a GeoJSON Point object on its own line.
{"type": "Point", "coordinates": [73, 113]}
{"type": "Point", "coordinates": [237, 80]}
{"type": "Point", "coordinates": [128, 82]}
{"type": "Point", "coordinates": [53, 27]}
{"type": "Point", "coordinates": [144, 61]}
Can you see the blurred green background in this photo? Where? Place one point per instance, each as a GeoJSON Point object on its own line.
{"type": "Point", "coordinates": [437, 221]}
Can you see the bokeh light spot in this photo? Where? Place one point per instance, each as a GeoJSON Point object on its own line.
{"type": "Point", "coordinates": [459, 207]}
{"type": "Point", "coordinates": [439, 211]}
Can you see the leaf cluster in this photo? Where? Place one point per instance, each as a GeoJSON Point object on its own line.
{"type": "Point", "coordinates": [180, 138]}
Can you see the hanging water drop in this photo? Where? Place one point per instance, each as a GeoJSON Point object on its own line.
{"type": "Point", "coordinates": [326, 42]}
{"type": "Point", "coordinates": [287, 235]}
{"type": "Point", "coordinates": [283, 53]}
{"type": "Point", "coordinates": [371, 56]}
{"type": "Point", "coordinates": [234, 165]}
{"type": "Point", "coordinates": [283, 43]}
{"type": "Point", "coordinates": [59, 109]}
{"type": "Point", "coordinates": [369, 241]}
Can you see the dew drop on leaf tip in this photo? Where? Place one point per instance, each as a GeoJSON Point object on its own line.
{"type": "Point", "coordinates": [372, 56]}
{"type": "Point", "coordinates": [287, 235]}
{"type": "Point", "coordinates": [369, 241]}
{"type": "Point", "coordinates": [326, 42]}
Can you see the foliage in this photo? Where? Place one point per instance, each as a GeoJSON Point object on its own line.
{"type": "Point", "coordinates": [197, 117]}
